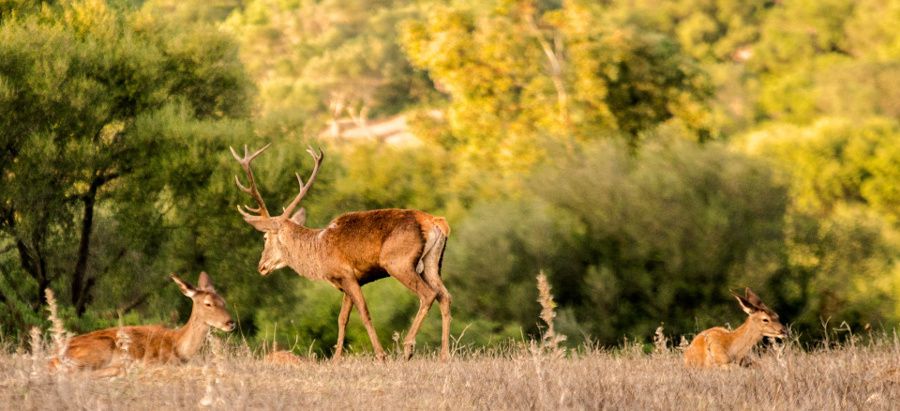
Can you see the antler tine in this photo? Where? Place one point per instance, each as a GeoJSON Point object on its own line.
{"type": "Point", "coordinates": [312, 178]}
{"type": "Point", "coordinates": [299, 179]}
{"type": "Point", "coordinates": [234, 153]}
{"type": "Point", "coordinates": [258, 152]}
{"type": "Point", "coordinates": [317, 157]}
{"type": "Point", "coordinates": [252, 189]}
{"type": "Point", "coordinates": [247, 190]}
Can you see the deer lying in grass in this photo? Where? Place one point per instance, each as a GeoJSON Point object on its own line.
{"type": "Point", "coordinates": [353, 250]}
{"type": "Point", "coordinates": [103, 353]}
{"type": "Point", "coordinates": [720, 347]}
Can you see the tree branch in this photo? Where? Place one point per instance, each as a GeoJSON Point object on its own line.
{"type": "Point", "coordinates": [134, 303]}
{"type": "Point", "coordinates": [555, 59]}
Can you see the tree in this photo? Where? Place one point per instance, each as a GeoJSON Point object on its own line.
{"type": "Point", "coordinates": [322, 61]}
{"type": "Point", "coordinates": [842, 221]}
{"type": "Point", "coordinates": [628, 239]}
{"type": "Point", "coordinates": [80, 85]}
{"type": "Point", "coordinates": [524, 75]}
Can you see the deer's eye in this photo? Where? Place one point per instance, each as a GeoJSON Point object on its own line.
{"type": "Point", "coordinates": [209, 304]}
{"type": "Point", "coordinates": [765, 320]}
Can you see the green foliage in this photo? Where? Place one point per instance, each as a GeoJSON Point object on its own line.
{"type": "Point", "coordinates": [520, 72]}
{"type": "Point", "coordinates": [104, 115]}
{"type": "Point", "coordinates": [627, 240]}
{"type": "Point", "coordinates": [836, 161]}
{"type": "Point", "coordinates": [316, 60]}
{"type": "Point", "coordinates": [649, 156]}
{"type": "Point", "coordinates": [843, 234]}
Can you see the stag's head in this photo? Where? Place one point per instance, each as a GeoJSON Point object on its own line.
{"type": "Point", "coordinates": [273, 227]}
{"type": "Point", "coordinates": [209, 306]}
{"type": "Point", "coordinates": [761, 316]}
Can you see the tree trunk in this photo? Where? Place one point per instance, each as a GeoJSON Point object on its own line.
{"type": "Point", "coordinates": [79, 287]}
{"type": "Point", "coordinates": [33, 263]}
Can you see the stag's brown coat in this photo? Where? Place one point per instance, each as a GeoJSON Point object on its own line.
{"type": "Point", "coordinates": [356, 248]}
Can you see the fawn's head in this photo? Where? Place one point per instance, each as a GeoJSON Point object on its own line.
{"type": "Point", "coordinates": [273, 227]}
{"type": "Point", "coordinates": [209, 306]}
{"type": "Point", "coordinates": [761, 316]}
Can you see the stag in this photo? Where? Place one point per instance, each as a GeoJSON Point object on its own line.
{"type": "Point", "coordinates": [102, 351]}
{"type": "Point", "coordinates": [718, 347]}
{"type": "Point", "coordinates": [355, 249]}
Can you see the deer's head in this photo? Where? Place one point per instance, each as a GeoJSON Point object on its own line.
{"type": "Point", "coordinates": [275, 228]}
{"type": "Point", "coordinates": [762, 317]}
{"type": "Point", "coordinates": [209, 306]}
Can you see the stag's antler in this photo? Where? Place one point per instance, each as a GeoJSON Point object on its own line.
{"type": "Point", "coordinates": [253, 190]}
{"type": "Point", "coordinates": [261, 211]}
{"type": "Point", "coordinates": [305, 187]}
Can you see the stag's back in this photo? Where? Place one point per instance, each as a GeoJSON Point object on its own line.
{"type": "Point", "coordinates": [363, 238]}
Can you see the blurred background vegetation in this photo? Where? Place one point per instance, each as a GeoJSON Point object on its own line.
{"type": "Point", "coordinates": [649, 156]}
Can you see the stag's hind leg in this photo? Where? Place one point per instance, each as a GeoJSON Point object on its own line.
{"type": "Point", "coordinates": [433, 276]}
{"type": "Point", "coordinates": [404, 273]}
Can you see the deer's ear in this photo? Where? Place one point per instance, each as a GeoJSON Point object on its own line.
{"type": "Point", "coordinates": [186, 289]}
{"type": "Point", "coordinates": [205, 283]}
{"type": "Point", "coordinates": [263, 223]}
{"type": "Point", "coordinates": [751, 296]}
{"type": "Point", "coordinates": [747, 306]}
{"type": "Point", "coordinates": [299, 217]}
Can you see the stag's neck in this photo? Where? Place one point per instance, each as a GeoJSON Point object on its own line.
{"type": "Point", "coordinates": [743, 339]}
{"type": "Point", "coordinates": [304, 250]}
{"type": "Point", "coordinates": [190, 337]}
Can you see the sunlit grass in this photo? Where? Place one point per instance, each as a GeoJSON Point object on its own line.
{"type": "Point", "coordinates": [232, 376]}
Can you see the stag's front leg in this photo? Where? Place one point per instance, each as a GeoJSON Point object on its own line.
{"type": "Point", "coordinates": [352, 288]}
{"type": "Point", "coordinates": [343, 317]}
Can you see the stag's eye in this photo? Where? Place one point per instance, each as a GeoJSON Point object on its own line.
{"type": "Point", "coordinates": [208, 304]}
{"type": "Point", "coordinates": [765, 320]}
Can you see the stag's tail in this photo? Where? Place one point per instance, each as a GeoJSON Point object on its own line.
{"type": "Point", "coordinates": [434, 243]}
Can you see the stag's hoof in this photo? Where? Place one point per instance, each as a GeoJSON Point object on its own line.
{"type": "Point", "coordinates": [408, 350]}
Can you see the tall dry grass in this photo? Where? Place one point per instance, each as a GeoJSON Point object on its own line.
{"type": "Point", "coordinates": [863, 373]}
{"type": "Point", "coordinates": [864, 376]}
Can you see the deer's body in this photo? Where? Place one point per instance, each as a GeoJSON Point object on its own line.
{"type": "Point", "coordinates": [718, 347]}
{"type": "Point", "coordinates": [356, 248]}
{"type": "Point", "coordinates": [149, 343]}
{"type": "Point", "coordinates": [103, 351]}
{"type": "Point", "coordinates": [364, 245]}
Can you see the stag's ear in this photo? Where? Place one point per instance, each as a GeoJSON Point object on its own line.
{"type": "Point", "coordinates": [299, 217]}
{"type": "Point", "coordinates": [186, 289]}
{"type": "Point", "coordinates": [204, 283]}
{"type": "Point", "coordinates": [263, 224]}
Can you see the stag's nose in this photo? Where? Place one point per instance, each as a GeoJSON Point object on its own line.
{"type": "Point", "coordinates": [229, 325]}
{"type": "Point", "coordinates": [263, 269]}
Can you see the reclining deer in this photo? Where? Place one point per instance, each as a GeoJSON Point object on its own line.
{"type": "Point", "coordinates": [356, 248]}
{"type": "Point", "coordinates": [720, 347]}
{"type": "Point", "coordinates": [99, 352]}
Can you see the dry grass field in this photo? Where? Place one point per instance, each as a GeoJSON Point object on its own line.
{"type": "Point", "coordinates": [858, 376]}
